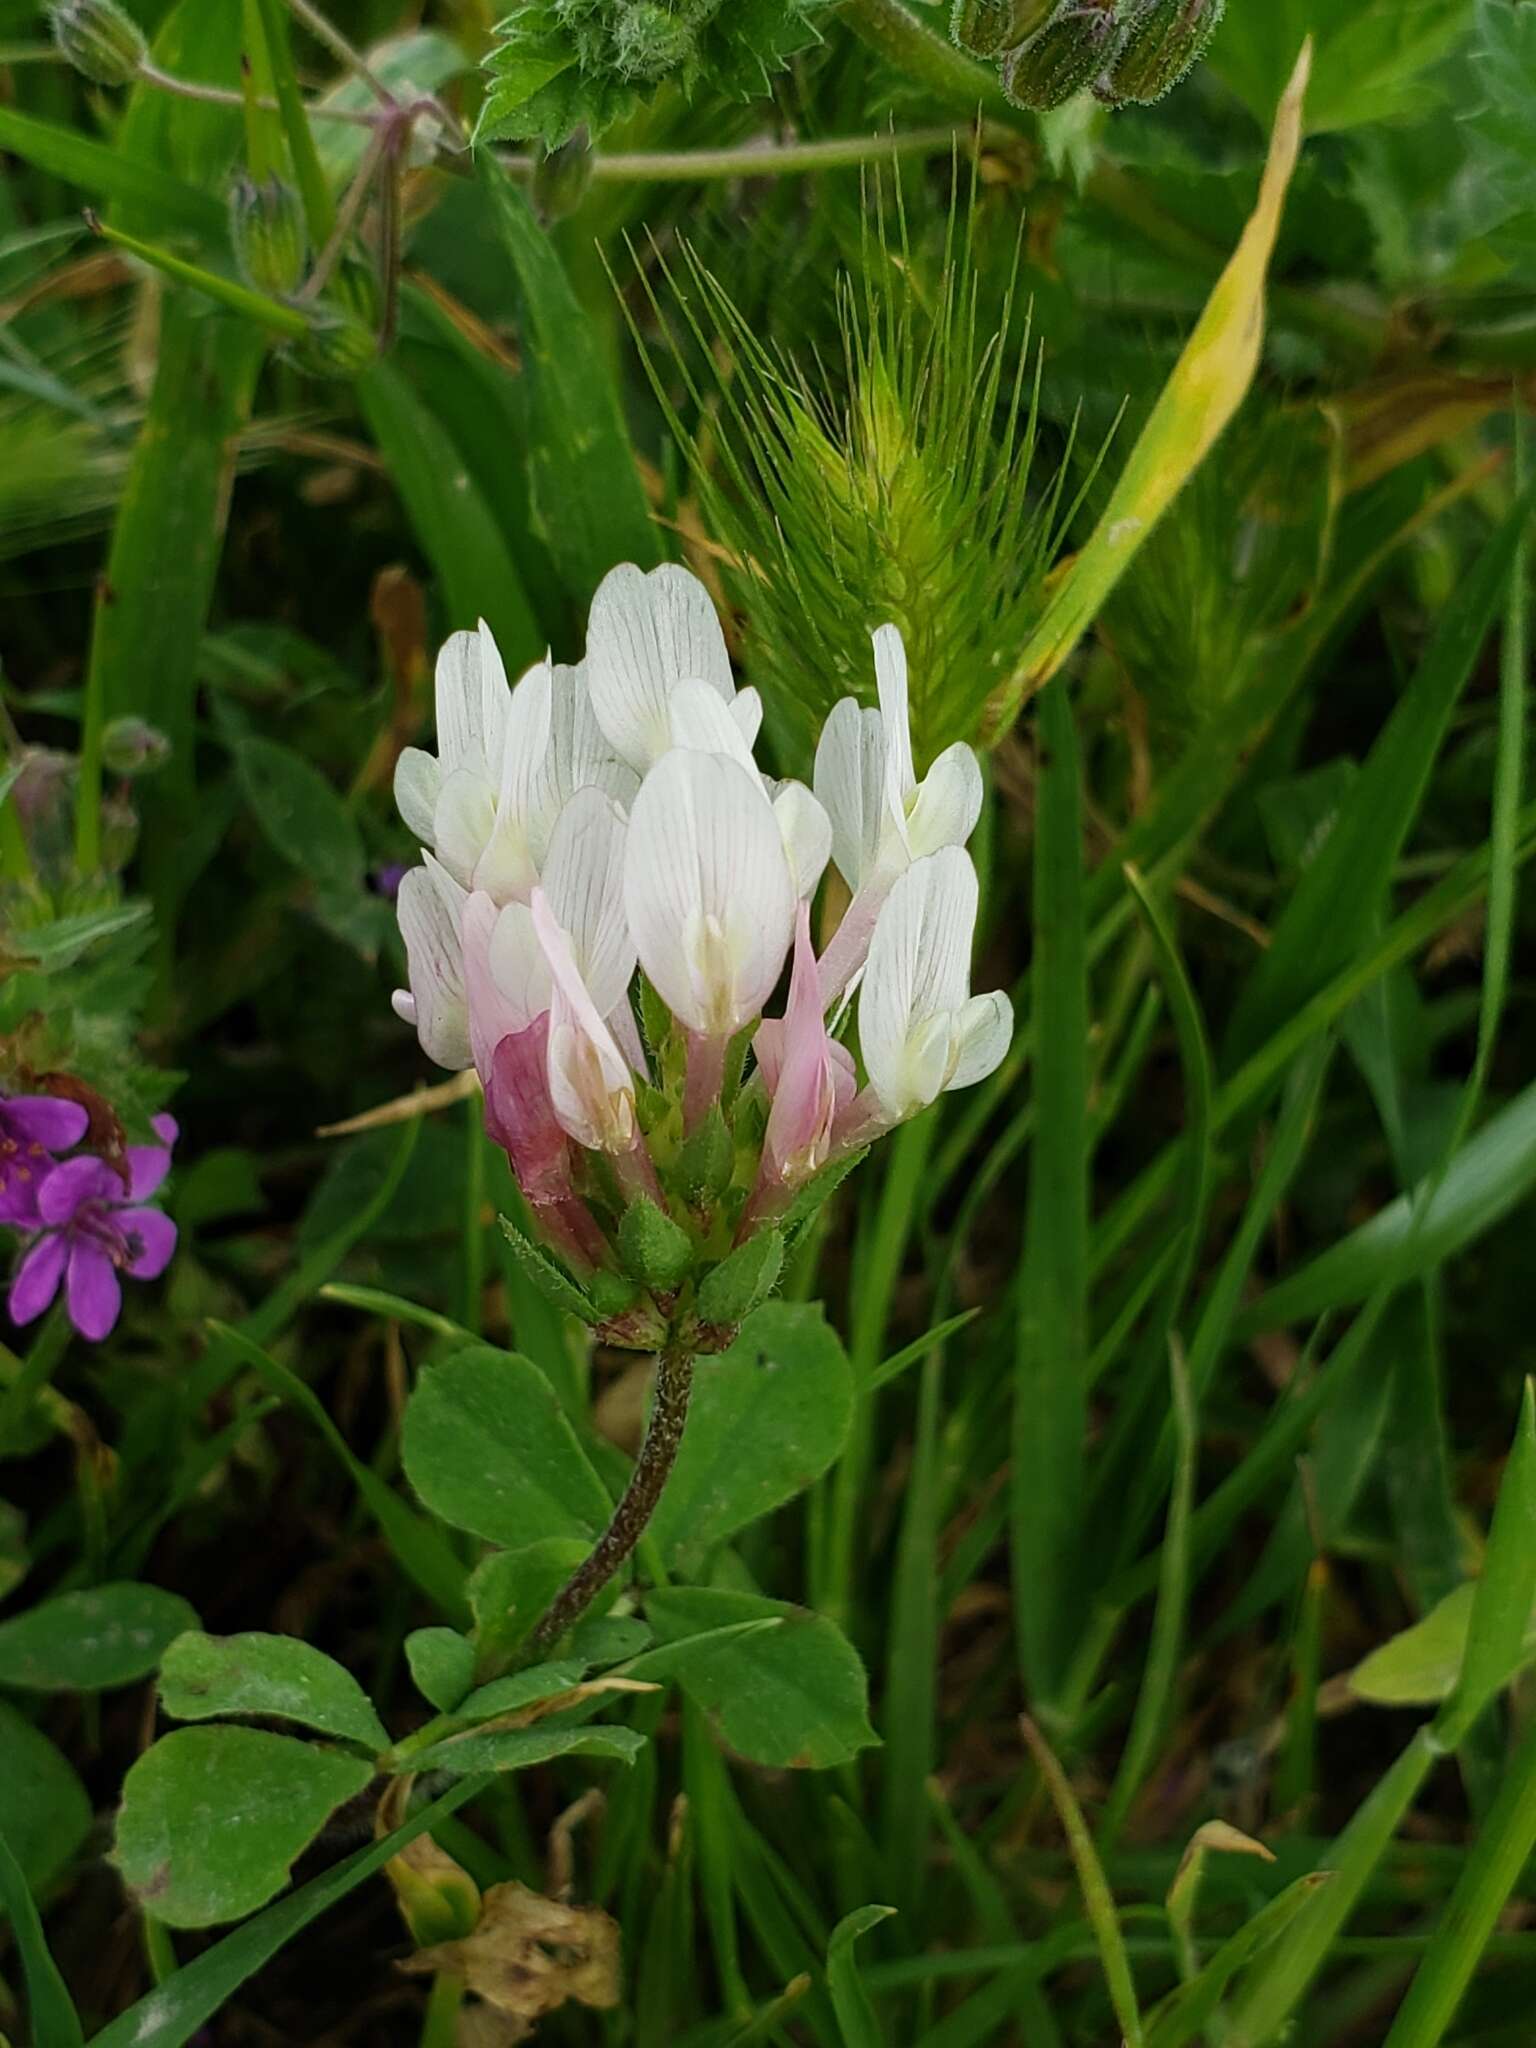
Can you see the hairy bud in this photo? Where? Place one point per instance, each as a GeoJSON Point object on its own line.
{"type": "Point", "coordinates": [267, 229]}
{"type": "Point", "coordinates": [1071, 53]}
{"type": "Point", "coordinates": [131, 747]}
{"type": "Point", "coordinates": [338, 347]}
{"type": "Point", "coordinates": [655, 1250]}
{"type": "Point", "coordinates": [987, 27]}
{"type": "Point", "coordinates": [1167, 39]}
{"type": "Point", "coordinates": [99, 39]}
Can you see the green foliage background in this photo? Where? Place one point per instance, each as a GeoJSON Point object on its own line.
{"type": "Point", "coordinates": [1171, 1376]}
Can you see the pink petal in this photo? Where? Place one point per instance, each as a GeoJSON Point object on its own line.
{"type": "Point", "coordinates": [70, 1186]}
{"type": "Point", "coordinates": [521, 1118]}
{"type": "Point", "coordinates": [147, 1167]}
{"type": "Point", "coordinates": [151, 1239]}
{"type": "Point", "coordinates": [37, 1278]}
{"type": "Point", "coordinates": [805, 1096]}
{"type": "Point", "coordinates": [44, 1120]}
{"type": "Point", "coordinates": [165, 1128]}
{"type": "Point", "coordinates": [95, 1292]}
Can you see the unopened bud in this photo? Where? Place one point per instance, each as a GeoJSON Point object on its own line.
{"type": "Point", "coordinates": [561, 177]}
{"type": "Point", "coordinates": [1071, 53]}
{"type": "Point", "coordinates": [707, 1158]}
{"type": "Point", "coordinates": [438, 1899]}
{"type": "Point", "coordinates": [1166, 41]}
{"type": "Point", "coordinates": [340, 347]}
{"type": "Point", "coordinates": [129, 746]}
{"type": "Point", "coordinates": [985, 27]}
{"type": "Point", "coordinates": [656, 1251]}
{"type": "Point", "coordinates": [99, 39]}
{"type": "Point", "coordinates": [266, 226]}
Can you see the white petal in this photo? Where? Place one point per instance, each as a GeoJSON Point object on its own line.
{"type": "Point", "coordinates": [645, 635]}
{"type": "Point", "coordinates": [747, 710]}
{"type": "Point", "coordinates": [891, 682]}
{"type": "Point", "coordinates": [850, 786]}
{"type": "Point", "coordinates": [403, 1003]}
{"type": "Point", "coordinates": [983, 1031]}
{"type": "Point", "coordinates": [699, 717]}
{"type": "Point", "coordinates": [418, 780]}
{"type": "Point", "coordinates": [429, 926]}
{"type": "Point", "coordinates": [518, 965]}
{"type": "Point", "coordinates": [707, 888]}
{"type": "Point", "coordinates": [589, 1078]}
{"type": "Point", "coordinates": [472, 704]}
{"type": "Point", "coordinates": [493, 1015]}
{"type": "Point", "coordinates": [916, 978]}
{"type": "Point", "coordinates": [948, 803]}
{"type": "Point", "coordinates": [584, 882]}
{"type": "Point", "coordinates": [578, 757]}
{"type": "Point", "coordinates": [507, 869]}
{"type": "Point", "coordinates": [463, 823]}
{"type": "Point", "coordinates": [806, 831]}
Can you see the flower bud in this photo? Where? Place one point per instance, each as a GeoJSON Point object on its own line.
{"type": "Point", "coordinates": [266, 227]}
{"type": "Point", "coordinates": [438, 1899]}
{"type": "Point", "coordinates": [707, 1158]}
{"type": "Point", "coordinates": [986, 27]}
{"type": "Point", "coordinates": [1166, 41]}
{"type": "Point", "coordinates": [129, 746]}
{"type": "Point", "coordinates": [656, 1251]}
{"type": "Point", "coordinates": [561, 177]}
{"type": "Point", "coordinates": [340, 347]}
{"type": "Point", "coordinates": [1067, 56]}
{"type": "Point", "coordinates": [99, 39]}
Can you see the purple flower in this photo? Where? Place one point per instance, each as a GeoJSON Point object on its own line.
{"type": "Point", "coordinates": [89, 1230]}
{"type": "Point", "coordinates": [32, 1129]}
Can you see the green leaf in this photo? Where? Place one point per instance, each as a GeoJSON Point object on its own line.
{"type": "Point", "coordinates": [44, 1812]}
{"type": "Point", "coordinates": [768, 1417]}
{"type": "Point", "coordinates": [735, 1287]}
{"type": "Point", "coordinates": [454, 524]}
{"type": "Point", "coordinates": [523, 1688]}
{"type": "Point", "coordinates": [302, 816]}
{"type": "Point", "coordinates": [62, 942]}
{"type": "Point", "coordinates": [850, 2000]}
{"type": "Point", "coordinates": [91, 1641]}
{"type": "Point", "coordinates": [107, 174]}
{"type": "Point", "coordinates": [586, 489]}
{"type": "Point", "coordinates": [1499, 1627]}
{"type": "Point", "coordinates": [793, 1697]}
{"type": "Point", "coordinates": [171, 2014]}
{"type": "Point", "coordinates": [557, 1288]}
{"type": "Point", "coordinates": [1051, 1367]}
{"type": "Point", "coordinates": [442, 1665]}
{"type": "Point", "coordinates": [519, 1749]}
{"type": "Point", "coordinates": [51, 2010]}
{"type": "Point", "coordinates": [1420, 1665]}
{"type": "Point", "coordinates": [213, 1818]}
{"type": "Point", "coordinates": [1488, 1178]}
{"type": "Point", "coordinates": [202, 1676]}
{"type": "Point", "coordinates": [1333, 911]}
{"type": "Point", "coordinates": [488, 1447]}
{"type": "Point", "coordinates": [1369, 66]}
{"type": "Point", "coordinates": [1187, 2013]}
{"type": "Point", "coordinates": [510, 1589]}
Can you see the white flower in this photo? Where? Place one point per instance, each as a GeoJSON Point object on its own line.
{"type": "Point", "coordinates": [882, 817]}
{"type": "Point", "coordinates": [708, 889]}
{"type": "Point", "coordinates": [430, 907]}
{"type": "Point", "coordinates": [648, 635]}
{"type": "Point", "coordinates": [508, 762]}
{"type": "Point", "coordinates": [920, 1030]}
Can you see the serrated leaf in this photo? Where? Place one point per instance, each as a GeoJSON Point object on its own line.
{"type": "Point", "coordinates": [90, 1641]}
{"type": "Point", "coordinates": [213, 1818]}
{"type": "Point", "coordinates": [488, 1447]}
{"type": "Point", "coordinates": [793, 1697]}
{"type": "Point", "coordinates": [204, 1676]}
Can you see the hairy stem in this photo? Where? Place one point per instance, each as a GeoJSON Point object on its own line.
{"type": "Point", "coordinates": [762, 159]}
{"type": "Point", "coordinates": [658, 1454]}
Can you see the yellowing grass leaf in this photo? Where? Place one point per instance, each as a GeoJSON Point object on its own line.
{"type": "Point", "coordinates": [1209, 383]}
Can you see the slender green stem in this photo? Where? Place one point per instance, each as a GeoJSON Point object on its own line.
{"type": "Point", "coordinates": [226, 96]}
{"type": "Point", "coordinates": [344, 220]}
{"type": "Point", "coordinates": [253, 306]}
{"type": "Point", "coordinates": [653, 1467]}
{"type": "Point", "coordinates": [763, 159]}
{"type": "Point", "coordinates": [319, 208]}
{"type": "Point", "coordinates": [474, 1226]}
{"type": "Point", "coordinates": [440, 2027]}
{"type": "Point", "coordinates": [159, 1949]}
{"type": "Point", "coordinates": [929, 57]}
{"type": "Point", "coordinates": [15, 859]}
{"type": "Point", "coordinates": [325, 31]}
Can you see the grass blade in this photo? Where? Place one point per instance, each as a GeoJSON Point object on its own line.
{"type": "Point", "coordinates": [52, 2010]}
{"type": "Point", "coordinates": [850, 1997]}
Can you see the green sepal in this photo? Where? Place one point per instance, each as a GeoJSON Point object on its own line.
{"type": "Point", "coordinates": [1067, 56]}
{"type": "Point", "coordinates": [707, 1159]}
{"type": "Point", "coordinates": [988, 27]}
{"type": "Point", "coordinates": [656, 1251]}
{"type": "Point", "coordinates": [735, 1287]}
{"type": "Point", "coordinates": [611, 1293]}
{"type": "Point", "coordinates": [817, 1190]}
{"type": "Point", "coordinates": [1165, 44]}
{"type": "Point", "coordinates": [556, 1287]}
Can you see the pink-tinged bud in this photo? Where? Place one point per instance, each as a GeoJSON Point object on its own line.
{"type": "Point", "coordinates": [521, 1117]}
{"type": "Point", "coordinates": [809, 1077]}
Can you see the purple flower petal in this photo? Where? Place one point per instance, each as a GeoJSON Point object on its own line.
{"type": "Point", "coordinates": [76, 1182]}
{"type": "Point", "coordinates": [150, 1238]}
{"type": "Point", "coordinates": [165, 1128]}
{"type": "Point", "coordinates": [94, 1290]}
{"type": "Point", "coordinates": [147, 1167]}
{"type": "Point", "coordinates": [18, 1195]}
{"type": "Point", "coordinates": [37, 1278]}
{"type": "Point", "coordinates": [44, 1120]}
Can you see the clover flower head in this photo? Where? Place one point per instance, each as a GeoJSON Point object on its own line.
{"type": "Point", "coordinates": [587, 822]}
